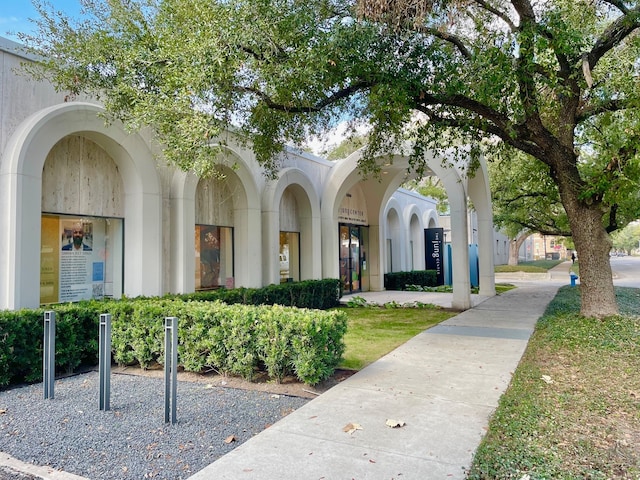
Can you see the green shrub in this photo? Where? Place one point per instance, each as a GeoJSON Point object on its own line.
{"type": "Point", "coordinates": [318, 345]}
{"type": "Point", "coordinates": [21, 341]}
{"type": "Point", "coordinates": [231, 339]}
{"type": "Point", "coordinates": [400, 280]}
{"type": "Point", "coordinates": [234, 339]}
{"type": "Point", "coordinates": [21, 336]}
{"type": "Point", "coordinates": [275, 333]}
{"type": "Point", "coordinates": [318, 294]}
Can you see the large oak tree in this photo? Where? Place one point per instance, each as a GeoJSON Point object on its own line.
{"type": "Point", "coordinates": [555, 79]}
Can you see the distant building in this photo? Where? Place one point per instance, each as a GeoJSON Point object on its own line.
{"type": "Point", "coordinates": [541, 247]}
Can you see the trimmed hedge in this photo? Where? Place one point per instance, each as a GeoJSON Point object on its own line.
{"type": "Point", "coordinates": [400, 280]}
{"type": "Point", "coordinates": [21, 340]}
{"type": "Point", "coordinates": [318, 294]}
{"type": "Point", "coordinates": [231, 339]}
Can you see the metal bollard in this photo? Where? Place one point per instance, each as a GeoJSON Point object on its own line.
{"type": "Point", "coordinates": [104, 361]}
{"type": "Point", "coordinates": [170, 367]}
{"type": "Point", "coordinates": [49, 354]}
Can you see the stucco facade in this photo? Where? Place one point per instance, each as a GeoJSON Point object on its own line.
{"type": "Point", "coordinates": [153, 229]}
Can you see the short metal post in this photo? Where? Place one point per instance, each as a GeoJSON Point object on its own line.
{"type": "Point", "coordinates": [49, 354]}
{"type": "Point", "coordinates": [104, 361]}
{"type": "Point", "coordinates": [170, 367]}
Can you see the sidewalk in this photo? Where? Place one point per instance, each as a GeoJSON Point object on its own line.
{"type": "Point", "coordinates": [444, 384]}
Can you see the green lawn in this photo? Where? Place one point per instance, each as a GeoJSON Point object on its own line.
{"type": "Point", "coordinates": [572, 410]}
{"type": "Point", "coordinates": [537, 266]}
{"type": "Point", "coordinates": [375, 331]}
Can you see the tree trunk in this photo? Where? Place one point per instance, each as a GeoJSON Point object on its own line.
{"type": "Point", "coordinates": [514, 248]}
{"type": "Point", "coordinates": [593, 245]}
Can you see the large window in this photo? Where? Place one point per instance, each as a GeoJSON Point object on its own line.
{"type": "Point", "coordinates": [289, 257]}
{"type": "Point", "coordinates": [214, 257]}
{"type": "Point", "coordinates": [80, 258]}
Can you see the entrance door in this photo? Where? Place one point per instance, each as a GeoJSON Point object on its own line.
{"type": "Point", "coordinates": [351, 257]}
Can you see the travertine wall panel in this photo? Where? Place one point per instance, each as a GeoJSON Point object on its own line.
{"type": "Point", "coordinates": [289, 212]}
{"type": "Point", "coordinates": [80, 178]}
{"type": "Point", "coordinates": [214, 202]}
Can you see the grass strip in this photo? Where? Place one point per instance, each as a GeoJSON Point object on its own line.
{"type": "Point", "coordinates": [572, 410]}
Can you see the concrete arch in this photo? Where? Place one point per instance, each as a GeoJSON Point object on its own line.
{"type": "Point", "coordinates": [415, 250]}
{"type": "Point", "coordinates": [430, 219]}
{"type": "Point", "coordinates": [309, 217]}
{"type": "Point", "coordinates": [247, 224]}
{"type": "Point", "coordinates": [21, 187]}
{"type": "Point", "coordinates": [480, 195]}
{"type": "Point", "coordinates": [345, 174]}
{"type": "Point", "coordinates": [396, 234]}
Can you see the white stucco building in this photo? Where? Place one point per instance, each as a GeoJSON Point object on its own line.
{"type": "Point", "coordinates": [89, 210]}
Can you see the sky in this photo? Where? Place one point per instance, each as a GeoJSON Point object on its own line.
{"type": "Point", "coordinates": [15, 15]}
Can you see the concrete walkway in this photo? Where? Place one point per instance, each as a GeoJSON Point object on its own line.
{"type": "Point", "coordinates": [443, 384]}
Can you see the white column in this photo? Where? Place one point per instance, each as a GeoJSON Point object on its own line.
{"type": "Point", "coordinates": [183, 220]}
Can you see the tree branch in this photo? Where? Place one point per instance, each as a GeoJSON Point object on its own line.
{"type": "Point", "coordinates": [613, 219]}
{"type": "Point", "coordinates": [611, 105]}
{"type": "Point", "coordinates": [525, 196]}
{"type": "Point", "coordinates": [621, 28]}
{"type": "Point", "coordinates": [618, 4]}
{"type": "Point", "coordinates": [546, 230]}
{"type": "Point", "coordinates": [453, 39]}
{"type": "Point", "coordinates": [289, 108]}
{"type": "Point", "coordinates": [524, 10]}
{"type": "Point", "coordinates": [501, 15]}
{"type": "Point", "coordinates": [499, 120]}
{"type": "Point", "coordinates": [494, 124]}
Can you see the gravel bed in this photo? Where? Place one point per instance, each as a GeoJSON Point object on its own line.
{"type": "Point", "coordinates": [131, 441]}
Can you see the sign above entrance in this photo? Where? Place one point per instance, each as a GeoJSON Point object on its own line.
{"type": "Point", "coordinates": [353, 208]}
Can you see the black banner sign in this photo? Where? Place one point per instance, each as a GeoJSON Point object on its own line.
{"type": "Point", "coordinates": [434, 241]}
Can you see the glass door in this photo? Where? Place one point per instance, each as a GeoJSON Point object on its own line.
{"type": "Point", "coordinates": [352, 259]}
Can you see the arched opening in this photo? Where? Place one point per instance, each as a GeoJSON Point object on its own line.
{"type": "Point", "coordinates": [82, 225]}
{"type": "Point", "coordinates": [416, 244]}
{"type": "Point", "coordinates": [393, 242]}
{"type": "Point", "coordinates": [21, 183]}
{"type": "Point", "coordinates": [214, 233]}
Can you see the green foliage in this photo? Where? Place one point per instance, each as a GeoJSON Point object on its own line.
{"type": "Point", "coordinates": [21, 344]}
{"type": "Point", "coordinates": [357, 302]}
{"type": "Point", "coordinates": [628, 238]}
{"type": "Point", "coordinates": [317, 294]}
{"type": "Point", "coordinates": [431, 187]}
{"type": "Point", "coordinates": [21, 335]}
{"type": "Point", "coordinates": [234, 339]}
{"type": "Point", "coordinates": [347, 147]}
{"type": "Point", "coordinates": [524, 197]}
{"type": "Point", "coordinates": [400, 280]}
{"type": "Point", "coordinates": [231, 339]}
{"type": "Point", "coordinates": [536, 266]}
{"type": "Point", "coordinates": [318, 345]}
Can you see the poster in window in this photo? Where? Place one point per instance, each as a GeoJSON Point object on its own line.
{"type": "Point", "coordinates": [209, 257]}
{"type": "Point", "coordinates": [49, 260]}
{"type": "Point", "coordinates": [76, 260]}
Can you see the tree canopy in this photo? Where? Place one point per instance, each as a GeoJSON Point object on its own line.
{"type": "Point", "coordinates": [628, 238]}
{"type": "Point", "coordinates": [555, 79]}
